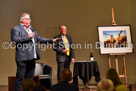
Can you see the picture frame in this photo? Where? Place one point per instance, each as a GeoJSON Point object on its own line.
{"type": "Point", "coordinates": [115, 39]}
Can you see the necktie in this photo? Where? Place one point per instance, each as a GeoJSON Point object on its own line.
{"type": "Point", "coordinates": [66, 45]}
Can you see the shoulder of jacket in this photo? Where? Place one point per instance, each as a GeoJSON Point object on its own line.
{"type": "Point", "coordinates": [16, 27]}
{"type": "Point", "coordinates": [57, 36]}
{"type": "Point", "coordinates": [68, 36]}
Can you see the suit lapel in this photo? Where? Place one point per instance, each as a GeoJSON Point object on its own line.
{"type": "Point", "coordinates": [61, 41]}
{"type": "Point", "coordinates": [32, 29]}
{"type": "Point", "coordinates": [23, 30]}
{"type": "Point", "coordinates": [33, 32]}
{"type": "Point", "coordinates": [68, 39]}
{"type": "Point", "coordinates": [59, 36]}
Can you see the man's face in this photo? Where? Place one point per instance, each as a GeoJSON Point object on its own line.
{"type": "Point", "coordinates": [63, 30]}
{"type": "Point", "coordinates": [26, 20]}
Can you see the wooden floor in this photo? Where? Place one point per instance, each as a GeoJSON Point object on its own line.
{"type": "Point", "coordinates": [81, 88]}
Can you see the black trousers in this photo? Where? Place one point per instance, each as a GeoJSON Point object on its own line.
{"type": "Point", "coordinates": [62, 66]}
{"type": "Point", "coordinates": [25, 69]}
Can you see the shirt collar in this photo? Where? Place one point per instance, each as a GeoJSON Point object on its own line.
{"type": "Point", "coordinates": [24, 25]}
{"type": "Point", "coordinates": [63, 35]}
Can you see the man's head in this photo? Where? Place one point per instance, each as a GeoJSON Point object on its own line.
{"type": "Point", "coordinates": [66, 75]}
{"type": "Point", "coordinates": [63, 29]}
{"type": "Point", "coordinates": [25, 19]}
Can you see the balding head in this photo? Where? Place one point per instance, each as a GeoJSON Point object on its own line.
{"type": "Point", "coordinates": [63, 29]}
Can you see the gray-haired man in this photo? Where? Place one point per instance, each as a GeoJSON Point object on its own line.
{"type": "Point", "coordinates": [27, 51]}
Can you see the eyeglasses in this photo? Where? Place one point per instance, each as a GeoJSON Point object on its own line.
{"type": "Point", "coordinates": [26, 19]}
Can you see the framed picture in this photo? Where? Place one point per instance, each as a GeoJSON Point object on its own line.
{"type": "Point", "coordinates": [115, 39]}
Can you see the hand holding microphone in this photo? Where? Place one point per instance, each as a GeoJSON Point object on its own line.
{"type": "Point", "coordinates": [31, 35]}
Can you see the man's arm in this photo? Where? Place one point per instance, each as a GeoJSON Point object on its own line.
{"type": "Point", "coordinates": [16, 36]}
{"type": "Point", "coordinates": [71, 49]}
{"type": "Point", "coordinates": [43, 40]}
{"type": "Point", "coordinates": [57, 46]}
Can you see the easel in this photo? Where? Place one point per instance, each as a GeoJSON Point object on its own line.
{"type": "Point", "coordinates": [117, 66]}
{"type": "Point", "coordinates": [116, 59]}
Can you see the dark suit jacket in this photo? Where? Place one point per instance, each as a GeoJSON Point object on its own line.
{"type": "Point", "coordinates": [59, 47]}
{"type": "Point", "coordinates": [64, 86]}
{"type": "Point", "coordinates": [24, 44]}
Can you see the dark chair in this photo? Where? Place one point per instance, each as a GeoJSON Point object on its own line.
{"type": "Point", "coordinates": [45, 74]}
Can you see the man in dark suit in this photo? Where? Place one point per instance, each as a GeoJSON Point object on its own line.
{"type": "Point", "coordinates": [64, 51]}
{"type": "Point", "coordinates": [26, 38]}
{"type": "Point", "coordinates": [64, 85]}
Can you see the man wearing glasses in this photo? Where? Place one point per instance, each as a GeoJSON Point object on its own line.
{"type": "Point", "coordinates": [26, 39]}
{"type": "Point", "coordinates": [64, 51]}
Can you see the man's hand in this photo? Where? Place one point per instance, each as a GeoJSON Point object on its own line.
{"type": "Point", "coordinates": [64, 51]}
{"type": "Point", "coordinates": [31, 35]}
{"type": "Point", "coordinates": [56, 39]}
{"type": "Point", "coordinates": [73, 60]}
